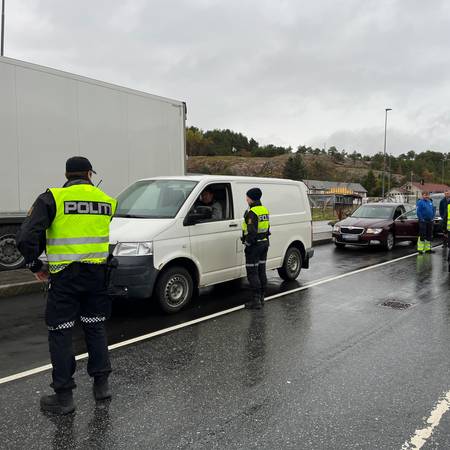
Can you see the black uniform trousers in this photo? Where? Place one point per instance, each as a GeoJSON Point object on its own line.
{"type": "Point", "coordinates": [255, 263]}
{"type": "Point", "coordinates": [426, 230]}
{"type": "Point", "coordinates": [79, 292]}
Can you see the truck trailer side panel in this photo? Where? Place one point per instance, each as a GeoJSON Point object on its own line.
{"type": "Point", "coordinates": [46, 116]}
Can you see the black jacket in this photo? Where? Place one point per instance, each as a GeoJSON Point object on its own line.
{"type": "Point", "coordinates": [30, 238]}
{"type": "Point", "coordinates": [443, 204]}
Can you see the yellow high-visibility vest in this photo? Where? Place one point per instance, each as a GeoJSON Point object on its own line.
{"type": "Point", "coordinates": [263, 221]}
{"type": "Point", "coordinates": [80, 229]}
{"type": "Point", "coordinates": [448, 217]}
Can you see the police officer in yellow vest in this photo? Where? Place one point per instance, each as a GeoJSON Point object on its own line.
{"type": "Point", "coordinates": [255, 236]}
{"type": "Point", "coordinates": [72, 225]}
{"type": "Point", "coordinates": [447, 218]}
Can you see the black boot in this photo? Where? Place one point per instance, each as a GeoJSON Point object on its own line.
{"type": "Point", "coordinates": [101, 389]}
{"type": "Point", "coordinates": [255, 303]}
{"type": "Point", "coordinates": [61, 403]}
{"type": "Point", "coordinates": [261, 297]}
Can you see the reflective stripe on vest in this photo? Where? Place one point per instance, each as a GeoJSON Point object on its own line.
{"type": "Point", "coordinates": [263, 221]}
{"type": "Point", "coordinates": [80, 230]}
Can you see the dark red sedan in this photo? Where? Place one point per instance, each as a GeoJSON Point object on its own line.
{"type": "Point", "coordinates": [380, 224]}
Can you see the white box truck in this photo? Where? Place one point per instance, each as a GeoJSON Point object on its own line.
{"type": "Point", "coordinates": [47, 115]}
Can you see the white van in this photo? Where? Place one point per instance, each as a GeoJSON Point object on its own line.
{"type": "Point", "coordinates": [167, 246]}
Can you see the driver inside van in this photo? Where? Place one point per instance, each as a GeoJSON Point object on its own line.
{"type": "Point", "coordinates": [206, 198]}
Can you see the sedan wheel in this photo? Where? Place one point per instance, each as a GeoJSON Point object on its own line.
{"type": "Point", "coordinates": [390, 242]}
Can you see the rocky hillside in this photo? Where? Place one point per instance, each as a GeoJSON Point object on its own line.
{"type": "Point", "coordinates": [320, 167]}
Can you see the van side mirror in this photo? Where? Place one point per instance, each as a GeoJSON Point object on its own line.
{"type": "Point", "coordinates": [198, 214]}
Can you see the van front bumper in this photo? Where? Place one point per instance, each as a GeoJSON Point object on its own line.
{"type": "Point", "coordinates": [134, 277]}
{"type": "Point", "coordinates": [309, 254]}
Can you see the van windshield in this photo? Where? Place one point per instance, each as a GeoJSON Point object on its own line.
{"type": "Point", "coordinates": [154, 199]}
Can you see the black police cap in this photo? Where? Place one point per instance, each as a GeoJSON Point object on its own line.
{"type": "Point", "coordinates": [254, 194]}
{"type": "Point", "coordinates": [78, 164]}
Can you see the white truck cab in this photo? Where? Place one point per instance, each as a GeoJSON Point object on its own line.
{"type": "Point", "coordinates": [167, 244]}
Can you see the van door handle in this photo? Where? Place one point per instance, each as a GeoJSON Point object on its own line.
{"type": "Point", "coordinates": [233, 225]}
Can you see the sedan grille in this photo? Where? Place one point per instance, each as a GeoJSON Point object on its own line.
{"type": "Point", "coordinates": [352, 230]}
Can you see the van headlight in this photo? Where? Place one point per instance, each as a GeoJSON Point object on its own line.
{"type": "Point", "coordinates": [133, 249]}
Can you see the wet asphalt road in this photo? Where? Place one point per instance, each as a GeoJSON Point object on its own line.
{"type": "Point", "coordinates": [326, 367]}
{"type": "Point", "coordinates": [23, 335]}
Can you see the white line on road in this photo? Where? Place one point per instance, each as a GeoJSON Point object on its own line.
{"type": "Point", "coordinates": [418, 440]}
{"type": "Point", "coordinates": [205, 318]}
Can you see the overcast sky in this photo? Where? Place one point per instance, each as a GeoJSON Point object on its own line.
{"type": "Point", "coordinates": [287, 72]}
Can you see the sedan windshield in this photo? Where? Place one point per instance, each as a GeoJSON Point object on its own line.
{"type": "Point", "coordinates": [154, 199]}
{"type": "Point", "coordinates": [374, 212]}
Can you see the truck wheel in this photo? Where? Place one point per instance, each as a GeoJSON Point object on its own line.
{"type": "Point", "coordinates": [174, 289]}
{"type": "Point", "coordinates": [292, 264]}
{"type": "Point", "coordinates": [10, 257]}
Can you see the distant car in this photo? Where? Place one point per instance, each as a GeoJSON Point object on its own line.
{"type": "Point", "coordinates": [371, 224]}
{"type": "Point", "coordinates": [436, 198]}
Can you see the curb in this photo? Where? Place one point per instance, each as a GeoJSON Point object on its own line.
{"type": "Point", "coordinates": [26, 287]}
{"type": "Point", "coordinates": [322, 241]}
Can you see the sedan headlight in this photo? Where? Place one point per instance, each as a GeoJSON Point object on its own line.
{"type": "Point", "coordinates": [133, 249]}
{"type": "Point", "coordinates": [374, 230]}
{"type": "Point", "coordinates": [336, 228]}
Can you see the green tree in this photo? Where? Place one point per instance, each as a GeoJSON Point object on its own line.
{"type": "Point", "coordinates": [370, 183]}
{"type": "Point", "coordinates": [196, 143]}
{"type": "Point", "coordinates": [295, 168]}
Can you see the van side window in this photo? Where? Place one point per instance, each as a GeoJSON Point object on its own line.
{"type": "Point", "coordinates": [216, 197]}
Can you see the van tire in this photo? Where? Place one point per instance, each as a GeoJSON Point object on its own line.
{"type": "Point", "coordinates": [10, 257]}
{"type": "Point", "coordinates": [174, 289]}
{"type": "Point", "coordinates": [292, 264]}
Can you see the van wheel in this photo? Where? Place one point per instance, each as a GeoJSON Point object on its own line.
{"type": "Point", "coordinates": [174, 289]}
{"type": "Point", "coordinates": [292, 264]}
{"type": "Point", "coordinates": [10, 257]}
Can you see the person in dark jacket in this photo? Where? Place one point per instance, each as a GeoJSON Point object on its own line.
{"type": "Point", "coordinates": [255, 237]}
{"type": "Point", "coordinates": [72, 225]}
{"type": "Point", "coordinates": [443, 213]}
{"type": "Point", "coordinates": [425, 214]}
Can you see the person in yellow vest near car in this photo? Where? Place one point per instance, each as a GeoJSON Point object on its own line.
{"type": "Point", "coordinates": [447, 217]}
{"type": "Point", "coordinates": [255, 237]}
{"type": "Point", "coordinates": [72, 225]}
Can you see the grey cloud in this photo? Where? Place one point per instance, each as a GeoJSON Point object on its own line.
{"type": "Point", "coordinates": [288, 72]}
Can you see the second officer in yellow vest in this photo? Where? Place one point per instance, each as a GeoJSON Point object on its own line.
{"type": "Point", "coordinates": [255, 236]}
{"type": "Point", "coordinates": [72, 225]}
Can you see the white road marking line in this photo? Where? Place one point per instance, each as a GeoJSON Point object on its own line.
{"type": "Point", "coordinates": [419, 439]}
{"type": "Point", "coordinates": [205, 318]}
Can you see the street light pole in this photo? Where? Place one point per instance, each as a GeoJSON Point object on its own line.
{"type": "Point", "coordinates": [443, 166]}
{"type": "Point", "coordinates": [2, 45]}
{"type": "Point", "coordinates": [384, 150]}
{"type": "Point", "coordinates": [389, 177]}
